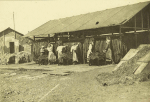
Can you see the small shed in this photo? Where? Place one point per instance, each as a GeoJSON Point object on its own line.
{"type": "Point", "coordinates": [13, 42]}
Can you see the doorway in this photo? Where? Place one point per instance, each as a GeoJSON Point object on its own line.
{"type": "Point", "coordinates": [11, 44]}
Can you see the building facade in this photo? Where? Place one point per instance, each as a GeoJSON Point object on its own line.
{"type": "Point", "coordinates": [127, 26]}
{"type": "Point", "coordinates": [12, 41]}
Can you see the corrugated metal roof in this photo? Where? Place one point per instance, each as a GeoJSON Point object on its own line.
{"type": "Point", "coordinates": [114, 16]}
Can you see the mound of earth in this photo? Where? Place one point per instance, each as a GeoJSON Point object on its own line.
{"type": "Point", "coordinates": [125, 73]}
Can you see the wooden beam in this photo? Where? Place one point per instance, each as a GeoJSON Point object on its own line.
{"type": "Point", "coordinates": [34, 38]}
{"type": "Point", "coordinates": [120, 29]}
{"type": "Point", "coordinates": [73, 40]}
{"type": "Point", "coordinates": [121, 41]}
{"type": "Point", "coordinates": [148, 26]}
{"type": "Point", "coordinates": [43, 37]}
{"type": "Point", "coordinates": [83, 46]}
{"type": "Point", "coordinates": [62, 36]}
{"type": "Point", "coordinates": [48, 37]}
{"type": "Point", "coordinates": [4, 41]}
{"type": "Point", "coordinates": [104, 36]}
{"type": "Point", "coordinates": [142, 20]}
{"type": "Point", "coordinates": [135, 24]}
{"type": "Point", "coordinates": [113, 56]}
{"type": "Point", "coordinates": [68, 35]}
{"type": "Point", "coordinates": [34, 49]}
{"type": "Point", "coordinates": [135, 28]}
{"type": "Point", "coordinates": [148, 22]}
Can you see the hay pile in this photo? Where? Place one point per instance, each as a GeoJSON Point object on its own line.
{"type": "Point", "coordinates": [20, 57]}
{"type": "Point", "coordinates": [125, 73]}
{"type": "Point", "coordinates": [67, 55]}
{"type": "Point", "coordinates": [66, 58]}
{"type": "Point", "coordinates": [4, 59]}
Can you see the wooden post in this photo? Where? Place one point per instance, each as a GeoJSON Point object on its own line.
{"type": "Point", "coordinates": [142, 20]}
{"type": "Point", "coordinates": [62, 41]}
{"type": "Point", "coordinates": [111, 46]}
{"type": "Point", "coordinates": [32, 51]}
{"type": "Point", "coordinates": [34, 48]}
{"type": "Point", "coordinates": [83, 50]}
{"type": "Point", "coordinates": [55, 38]}
{"type": "Point", "coordinates": [148, 21]}
{"type": "Point", "coordinates": [4, 41]}
{"type": "Point", "coordinates": [68, 35]}
{"type": "Point", "coordinates": [135, 32]}
{"type": "Point", "coordinates": [148, 25]}
{"type": "Point", "coordinates": [34, 38]}
{"type": "Point", "coordinates": [49, 38]}
{"type": "Point", "coordinates": [121, 41]}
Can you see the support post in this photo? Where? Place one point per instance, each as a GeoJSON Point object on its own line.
{"type": "Point", "coordinates": [148, 25]}
{"type": "Point", "coordinates": [4, 41]}
{"type": "Point", "coordinates": [68, 35]}
{"type": "Point", "coordinates": [34, 48]}
{"type": "Point", "coordinates": [135, 32]}
{"type": "Point", "coordinates": [111, 46]}
{"type": "Point", "coordinates": [121, 50]}
{"type": "Point", "coordinates": [83, 50]}
{"type": "Point", "coordinates": [32, 54]}
{"type": "Point", "coordinates": [142, 20]}
{"type": "Point", "coordinates": [34, 38]}
{"type": "Point", "coordinates": [48, 38]}
{"type": "Point", "coordinates": [55, 38]}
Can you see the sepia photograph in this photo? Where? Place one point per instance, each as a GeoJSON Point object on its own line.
{"type": "Point", "coordinates": [74, 50]}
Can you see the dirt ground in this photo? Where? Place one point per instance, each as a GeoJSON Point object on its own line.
{"type": "Point", "coordinates": [38, 84]}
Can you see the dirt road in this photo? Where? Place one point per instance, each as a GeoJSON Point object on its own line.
{"type": "Point", "coordinates": [39, 85]}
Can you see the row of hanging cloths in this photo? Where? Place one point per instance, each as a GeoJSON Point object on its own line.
{"type": "Point", "coordinates": [102, 46]}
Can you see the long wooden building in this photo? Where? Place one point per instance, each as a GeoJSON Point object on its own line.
{"type": "Point", "coordinates": [128, 26]}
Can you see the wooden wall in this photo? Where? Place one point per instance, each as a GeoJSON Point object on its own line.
{"type": "Point", "coordinates": [119, 46]}
{"type": "Point", "coordinates": [1, 44]}
{"type": "Point", "coordinates": [130, 42]}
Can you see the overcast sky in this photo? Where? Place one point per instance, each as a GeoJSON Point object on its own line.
{"type": "Point", "coordinates": [32, 14]}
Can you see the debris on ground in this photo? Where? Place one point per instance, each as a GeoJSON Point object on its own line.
{"type": "Point", "coordinates": [125, 73]}
{"type": "Point", "coordinates": [20, 57]}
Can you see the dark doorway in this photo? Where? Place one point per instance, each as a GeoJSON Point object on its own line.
{"type": "Point", "coordinates": [21, 48]}
{"type": "Point", "coordinates": [12, 50]}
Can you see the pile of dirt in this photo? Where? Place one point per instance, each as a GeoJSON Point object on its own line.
{"type": "Point", "coordinates": [125, 73]}
{"type": "Point", "coordinates": [20, 57]}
